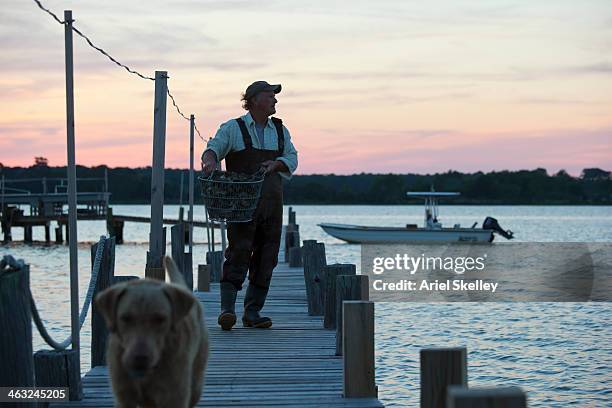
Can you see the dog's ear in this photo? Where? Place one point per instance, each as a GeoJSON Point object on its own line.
{"type": "Point", "coordinates": [107, 302]}
{"type": "Point", "coordinates": [181, 301]}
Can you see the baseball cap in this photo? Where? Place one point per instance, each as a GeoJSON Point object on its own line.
{"type": "Point", "coordinates": [260, 86]}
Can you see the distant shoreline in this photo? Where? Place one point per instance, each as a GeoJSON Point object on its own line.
{"type": "Point", "coordinates": [522, 187]}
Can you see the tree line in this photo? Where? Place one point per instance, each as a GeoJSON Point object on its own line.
{"type": "Point", "coordinates": [133, 186]}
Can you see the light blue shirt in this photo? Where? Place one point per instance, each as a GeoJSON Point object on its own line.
{"type": "Point", "coordinates": [228, 139]}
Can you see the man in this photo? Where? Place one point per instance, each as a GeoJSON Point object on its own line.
{"type": "Point", "coordinates": [247, 144]}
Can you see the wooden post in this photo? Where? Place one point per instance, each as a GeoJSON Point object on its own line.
{"type": "Point", "coordinates": [59, 369]}
{"type": "Point", "coordinates": [58, 234]}
{"type": "Point", "coordinates": [292, 238]}
{"type": "Point", "coordinates": [441, 367]}
{"type": "Point", "coordinates": [177, 234]}
{"type": "Point", "coordinates": [123, 278]}
{"type": "Point", "coordinates": [208, 225]}
{"type": "Point", "coordinates": [118, 229]}
{"type": "Point", "coordinates": [331, 273]}
{"type": "Point", "coordinates": [16, 328]}
{"type": "Point", "coordinates": [291, 217]}
{"type": "Point", "coordinates": [501, 397]}
{"type": "Point", "coordinates": [348, 288]}
{"type": "Point", "coordinates": [188, 268]}
{"type": "Point", "coordinates": [71, 234]}
{"type": "Point", "coordinates": [314, 261]}
{"type": "Point", "coordinates": [181, 193]}
{"type": "Point", "coordinates": [203, 278]}
{"type": "Point", "coordinates": [215, 261]}
{"type": "Point", "coordinates": [27, 233]}
{"type": "Point", "coordinates": [109, 222]}
{"type": "Point", "coordinates": [99, 332]}
{"type": "Point", "coordinates": [156, 243]}
{"type": "Point", "coordinates": [47, 232]}
{"type": "Point", "coordinates": [358, 350]}
{"type": "Point", "coordinates": [191, 183]}
{"type": "Point", "coordinates": [223, 242]}
{"type": "Point", "coordinates": [295, 257]}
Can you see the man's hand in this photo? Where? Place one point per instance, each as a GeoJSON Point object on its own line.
{"type": "Point", "coordinates": [209, 162]}
{"type": "Point", "coordinates": [272, 166]}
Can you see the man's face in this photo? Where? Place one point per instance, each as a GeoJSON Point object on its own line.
{"type": "Point", "coordinates": [265, 102]}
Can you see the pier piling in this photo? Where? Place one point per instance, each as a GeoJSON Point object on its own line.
{"type": "Point", "coordinates": [441, 368]}
{"type": "Point", "coordinates": [502, 397]}
{"type": "Point", "coordinates": [314, 261]}
{"type": "Point", "coordinates": [348, 287]}
{"type": "Point", "coordinates": [59, 369]}
{"type": "Point", "coordinates": [99, 332]}
{"type": "Point", "coordinates": [358, 350]}
{"type": "Point", "coordinates": [203, 278]}
{"type": "Point", "coordinates": [16, 326]}
{"type": "Point", "coordinates": [215, 260]}
{"type": "Point", "coordinates": [331, 273]}
{"type": "Point", "coordinates": [295, 257]}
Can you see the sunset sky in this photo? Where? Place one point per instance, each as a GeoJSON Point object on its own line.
{"type": "Point", "coordinates": [368, 86]}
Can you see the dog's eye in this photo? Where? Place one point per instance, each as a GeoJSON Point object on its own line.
{"type": "Point", "coordinates": [158, 319]}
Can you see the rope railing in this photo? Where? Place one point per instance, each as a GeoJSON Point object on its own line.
{"type": "Point", "coordinates": [83, 315]}
{"type": "Point", "coordinates": [114, 60]}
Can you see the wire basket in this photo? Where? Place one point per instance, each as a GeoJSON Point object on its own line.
{"type": "Point", "coordinates": [231, 197]}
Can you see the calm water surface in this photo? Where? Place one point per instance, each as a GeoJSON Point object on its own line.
{"type": "Point", "coordinates": [560, 353]}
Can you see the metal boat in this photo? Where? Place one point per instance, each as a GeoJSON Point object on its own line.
{"type": "Point", "coordinates": [432, 230]}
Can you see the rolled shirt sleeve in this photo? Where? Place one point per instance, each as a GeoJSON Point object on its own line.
{"type": "Point", "coordinates": [289, 156]}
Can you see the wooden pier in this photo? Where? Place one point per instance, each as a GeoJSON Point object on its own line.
{"type": "Point", "coordinates": [292, 364]}
{"type": "Point", "coordinates": [307, 359]}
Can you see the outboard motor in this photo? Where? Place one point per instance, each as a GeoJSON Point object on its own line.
{"type": "Point", "coordinates": [491, 223]}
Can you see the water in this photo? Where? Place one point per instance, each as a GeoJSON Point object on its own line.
{"type": "Point", "coordinates": [559, 353]}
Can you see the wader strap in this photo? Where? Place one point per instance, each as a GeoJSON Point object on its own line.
{"type": "Point", "coordinates": [278, 124]}
{"type": "Point", "coordinates": [246, 138]}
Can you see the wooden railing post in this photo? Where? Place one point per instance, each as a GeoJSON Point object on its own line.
{"type": "Point", "coordinates": [292, 238]}
{"type": "Point", "coordinates": [502, 397]}
{"type": "Point", "coordinates": [156, 242]}
{"type": "Point", "coordinates": [440, 368]}
{"type": "Point", "coordinates": [348, 287]}
{"type": "Point", "coordinates": [181, 259]}
{"type": "Point", "coordinates": [203, 278]}
{"type": "Point", "coordinates": [99, 332]}
{"type": "Point", "coordinates": [215, 261]}
{"type": "Point", "coordinates": [291, 218]}
{"type": "Point", "coordinates": [59, 369]}
{"type": "Point", "coordinates": [295, 257]}
{"type": "Point", "coordinates": [358, 350]}
{"type": "Point", "coordinates": [331, 273]}
{"type": "Point", "coordinates": [16, 327]}
{"type": "Point", "coordinates": [314, 261]}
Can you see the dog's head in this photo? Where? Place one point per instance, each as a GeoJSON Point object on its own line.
{"type": "Point", "coordinates": [142, 314]}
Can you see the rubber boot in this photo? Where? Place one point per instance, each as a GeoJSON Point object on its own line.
{"type": "Point", "coordinates": [254, 300]}
{"type": "Point", "coordinates": [227, 318]}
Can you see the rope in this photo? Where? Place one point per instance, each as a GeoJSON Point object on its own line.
{"type": "Point", "coordinates": [83, 315]}
{"type": "Point", "coordinates": [101, 51]}
{"type": "Point", "coordinates": [10, 264]}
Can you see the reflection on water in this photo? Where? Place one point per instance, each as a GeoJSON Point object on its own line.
{"type": "Point", "coordinates": [559, 353]}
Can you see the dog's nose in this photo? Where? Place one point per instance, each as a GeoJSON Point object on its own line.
{"type": "Point", "coordinates": [140, 362]}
